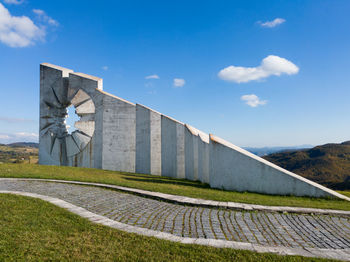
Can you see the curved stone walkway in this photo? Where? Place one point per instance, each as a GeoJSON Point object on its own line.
{"type": "Point", "coordinates": [270, 229]}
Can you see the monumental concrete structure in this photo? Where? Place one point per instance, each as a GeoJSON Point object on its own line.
{"type": "Point", "coordinates": [115, 134]}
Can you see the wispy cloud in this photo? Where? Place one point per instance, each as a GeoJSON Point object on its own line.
{"type": "Point", "coordinates": [253, 100]}
{"type": "Point", "coordinates": [3, 137]}
{"type": "Point", "coordinates": [179, 82]}
{"type": "Point", "coordinates": [11, 120]}
{"type": "Point", "coordinates": [152, 77]}
{"type": "Point", "coordinates": [271, 65]}
{"type": "Point", "coordinates": [105, 68]}
{"type": "Point", "coordinates": [273, 23]}
{"type": "Point", "coordinates": [18, 31]}
{"type": "Point", "coordinates": [44, 17]}
{"type": "Point", "coordinates": [18, 137]}
{"type": "Point", "coordinates": [13, 2]}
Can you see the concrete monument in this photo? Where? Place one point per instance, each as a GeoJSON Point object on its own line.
{"type": "Point", "coordinates": [115, 134]}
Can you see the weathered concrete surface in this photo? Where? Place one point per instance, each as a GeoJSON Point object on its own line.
{"type": "Point", "coordinates": [180, 150]}
{"type": "Point", "coordinates": [156, 143]}
{"type": "Point", "coordinates": [143, 140]}
{"type": "Point", "coordinates": [169, 147]}
{"type": "Point", "coordinates": [148, 141]}
{"type": "Point", "coordinates": [203, 160]}
{"type": "Point", "coordinates": [233, 168]}
{"type": "Point", "coordinates": [116, 134]}
{"type": "Point", "coordinates": [191, 153]}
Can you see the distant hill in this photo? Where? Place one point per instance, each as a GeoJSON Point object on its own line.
{"type": "Point", "coordinates": [263, 151]}
{"type": "Point", "coordinates": [328, 164]}
{"type": "Point", "coordinates": [24, 144]}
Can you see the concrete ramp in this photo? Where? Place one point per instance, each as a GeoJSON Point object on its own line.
{"type": "Point", "coordinates": [233, 168]}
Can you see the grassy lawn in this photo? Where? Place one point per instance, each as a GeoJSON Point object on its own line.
{"type": "Point", "coordinates": [165, 185]}
{"type": "Point", "coordinates": [34, 230]}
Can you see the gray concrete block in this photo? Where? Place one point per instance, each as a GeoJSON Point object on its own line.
{"type": "Point", "coordinates": [169, 147]}
{"type": "Point", "coordinates": [119, 134]}
{"type": "Point", "coordinates": [180, 150]}
{"type": "Point", "coordinates": [143, 140]}
{"type": "Point", "coordinates": [156, 142]}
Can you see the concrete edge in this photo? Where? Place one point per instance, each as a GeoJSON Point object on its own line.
{"type": "Point", "coordinates": [342, 254]}
{"type": "Point", "coordinates": [200, 202]}
{"type": "Point", "coordinates": [65, 71]}
{"type": "Point", "coordinates": [115, 97]}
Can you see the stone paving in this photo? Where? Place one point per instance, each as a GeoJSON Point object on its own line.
{"type": "Point", "coordinates": [262, 228]}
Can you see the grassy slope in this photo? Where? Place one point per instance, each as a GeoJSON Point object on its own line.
{"type": "Point", "coordinates": [164, 185]}
{"type": "Point", "coordinates": [328, 164]}
{"type": "Point", "coordinates": [33, 230]}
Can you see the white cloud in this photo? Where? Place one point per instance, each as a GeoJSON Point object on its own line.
{"type": "Point", "coordinates": [11, 120]}
{"type": "Point", "coordinates": [253, 100]}
{"type": "Point", "coordinates": [105, 68]}
{"type": "Point", "coordinates": [179, 82]}
{"type": "Point", "coordinates": [44, 17]}
{"type": "Point", "coordinates": [271, 65]}
{"type": "Point", "coordinates": [18, 31]}
{"type": "Point", "coordinates": [4, 136]}
{"type": "Point", "coordinates": [273, 23]}
{"type": "Point", "coordinates": [19, 137]}
{"type": "Point", "coordinates": [152, 77]}
{"type": "Point", "coordinates": [38, 12]}
{"type": "Point", "coordinates": [15, 2]}
{"type": "Point", "coordinates": [27, 135]}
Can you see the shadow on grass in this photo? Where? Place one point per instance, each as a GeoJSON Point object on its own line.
{"type": "Point", "coordinates": [163, 180]}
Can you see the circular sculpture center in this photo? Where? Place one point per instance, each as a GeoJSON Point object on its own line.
{"type": "Point", "coordinates": [68, 127]}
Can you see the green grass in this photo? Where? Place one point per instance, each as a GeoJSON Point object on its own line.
{"type": "Point", "coordinates": [165, 185]}
{"type": "Point", "coordinates": [34, 230]}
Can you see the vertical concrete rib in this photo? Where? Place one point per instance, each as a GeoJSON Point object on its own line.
{"type": "Point", "coordinates": [169, 147]}
{"type": "Point", "coordinates": [189, 155]}
{"type": "Point", "coordinates": [180, 151]}
{"type": "Point", "coordinates": [143, 140]}
{"type": "Point", "coordinates": [156, 143]}
{"type": "Point", "coordinates": [203, 160]}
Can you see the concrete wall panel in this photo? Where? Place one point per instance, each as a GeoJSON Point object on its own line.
{"type": "Point", "coordinates": [203, 161]}
{"type": "Point", "coordinates": [169, 147]}
{"type": "Point", "coordinates": [156, 143]}
{"type": "Point", "coordinates": [143, 140]}
{"type": "Point", "coordinates": [189, 155]}
{"type": "Point", "coordinates": [180, 150]}
{"type": "Point", "coordinates": [119, 134]}
{"type": "Point", "coordinates": [233, 168]}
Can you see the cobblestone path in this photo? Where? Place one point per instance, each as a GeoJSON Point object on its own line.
{"type": "Point", "coordinates": [263, 228]}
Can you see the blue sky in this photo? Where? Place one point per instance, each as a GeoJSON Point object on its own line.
{"type": "Point", "coordinates": [256, 73]}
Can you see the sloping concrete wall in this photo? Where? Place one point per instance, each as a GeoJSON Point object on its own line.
{"type": "Point", "coordinates": [233, 168]}
{"type": "Point", "coordinates": [116, 134]}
